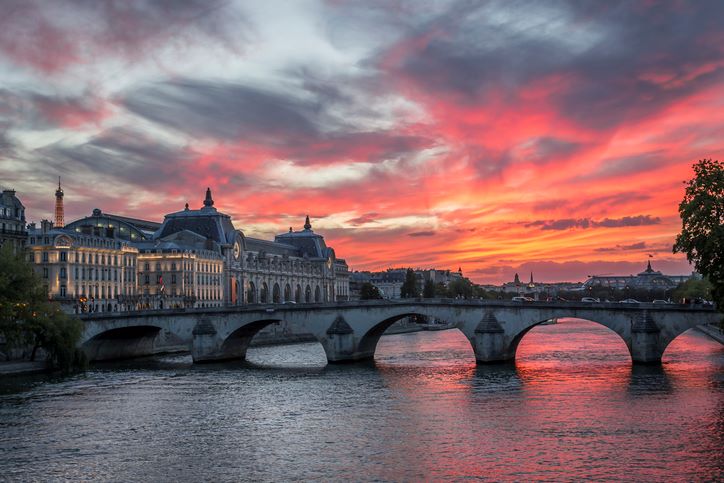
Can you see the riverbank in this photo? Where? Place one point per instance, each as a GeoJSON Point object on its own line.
{"type": "Point", "coordinates": [13, 368]}
{"type": "Point", "coordinates": [712, 331]}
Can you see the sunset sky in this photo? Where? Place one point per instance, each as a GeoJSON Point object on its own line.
{"type": "Point", "coordinates": [501, 137]}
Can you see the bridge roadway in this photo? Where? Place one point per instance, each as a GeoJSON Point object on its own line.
{"type": "Point", "coordinates": [349, 331]}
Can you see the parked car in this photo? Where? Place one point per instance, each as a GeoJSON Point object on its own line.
{"type": "Point", "coordinates": [629, 301]}
{"type": "Point", "coordinates": [522, 299]}
{"type": "Point", "coordinates": [590, 300]}
{"type": "Point", "coordinates": [659, 301]}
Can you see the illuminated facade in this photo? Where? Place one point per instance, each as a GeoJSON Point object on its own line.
{"type": "Point", "coordinates": [296, 267]}
{"type": "Point", "coordinates": [84, 270]}
{"type": "Point", "coordinates": [195, 258]}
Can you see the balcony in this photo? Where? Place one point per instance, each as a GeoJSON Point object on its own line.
{"type": "Point", "coordinates": [18, 233]}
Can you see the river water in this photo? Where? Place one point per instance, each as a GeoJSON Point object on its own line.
{"type": "Point", "coordinates": [570, 408]}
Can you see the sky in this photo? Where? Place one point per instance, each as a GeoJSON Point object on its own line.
{"type": "Point", "coordinates": [499, 137]}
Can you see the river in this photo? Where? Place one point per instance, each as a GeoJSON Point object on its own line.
{"type": "Point", "coordinates": [571, 407]}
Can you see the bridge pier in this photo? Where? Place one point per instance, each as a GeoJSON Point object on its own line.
{"type": "Point", "coordinates": [207, 346]}
{"type": "Point", "coordinates": [489, 341]}
{"type": "Point", "coordinates": [341, 345]}
{"type": "Point", "coordinates": [646, 347]}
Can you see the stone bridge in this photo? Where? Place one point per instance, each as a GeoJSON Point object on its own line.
{"type": "Point", "coordinates": [349, 331]}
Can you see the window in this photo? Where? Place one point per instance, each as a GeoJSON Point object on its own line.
{"type": "Point", "coordinates": [63, 256]}
{"type": "Point", "coordinates": [45, 273]}
{"type": "Point", "coordinates": [158, 267]}
{"type": "Point", "coordinates": [173, 266]}
{"type": "Point", "coordinates": [173, 278]}
{"type": "Point", "coordinates": [63, 290]}
{"type": "Point", "coordinates": [45, 257]}
{"type": "Point", "coordinates": [63, 273]}
{"type": "Point", "coordinates": [146, 279]}
{"type": "Point", "coordinates": [146, 267]}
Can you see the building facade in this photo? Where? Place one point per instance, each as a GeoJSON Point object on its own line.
{"type": "Point", "coordinates": [84, 270]}
{"type": "Point", "coordinates": [12, 221]}
{"type": "Point", "coordinates": [194, 258]}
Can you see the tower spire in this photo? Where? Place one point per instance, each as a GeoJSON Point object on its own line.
{"type": "Point", "coordinates": [59, 212]}
{"type": "Point", "coordinates": [208, 201]}
{"type": "Point", "coordinates": [307, 224]}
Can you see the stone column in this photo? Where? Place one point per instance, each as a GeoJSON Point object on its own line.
{"type": "Point", "coordinates": [489, 340]}
{"type": "Point", "coordinates": [645, 342]}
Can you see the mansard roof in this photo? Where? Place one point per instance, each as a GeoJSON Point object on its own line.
{"type": "Point", "coordinates": [306, 242]}
{"type": "Point", "coordinates": [271, 247]}
{"type": "Point", "coordinates": [181, 241]}
{"type": "Point", "coordinates": [9, 199]}
{"type": "Point", "coordinates": [206, 221]}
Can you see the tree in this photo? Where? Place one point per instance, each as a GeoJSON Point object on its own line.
{"type": "Point", "coordinates": [27, 319]}
{"type": "Point", "coordinates": [460, 287]}
{"type": "Point", "coordinates": [409, 288]}
{"type": "Point", "coordinates": [702, 231]}
{"type": "Point", "coordinates": [369, 292]}
{"type": "Point", "coordinates": [428, 291]}
{"type": "Point", "coordinates": [693, 289]}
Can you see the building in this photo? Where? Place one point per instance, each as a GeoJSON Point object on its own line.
{"type": "Point", "coordinates": [341, 277]}
{"type": "Point", "coordinates": [390, 282]}
{"type": "Point", "coordinates": [86, 268]}
{"type": "Point", "coordinates": [12, 220]}
{"type": "Point", "coordinates": [195, 258]}
{"type": "Point", "coordinates": [296, 267]}
{"type": "Point", "coordinates": [649, 279]}
{"type": "Point", "coordinates": [180, 270]}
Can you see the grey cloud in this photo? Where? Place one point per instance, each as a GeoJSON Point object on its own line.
{"type": "Point", "coordinates": [121, 154]}
{"type": "Point", "coordinates": [640, 220]}
{"type": "Point", "coordinates": [633, 246]}
{"type": "Point", "coordinates": [421, 233]}
{"type": "Point", "coordinates": [225, 111]}
{"type": "Point", "coordinates": [51, 36]}
{"type": "Point", "coordinates": [583, 223]}
{"type": "Point", "coordinates": [297, 127]}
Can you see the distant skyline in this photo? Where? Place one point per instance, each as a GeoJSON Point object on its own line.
{"type": "Point", "coordinates": [501, 137]}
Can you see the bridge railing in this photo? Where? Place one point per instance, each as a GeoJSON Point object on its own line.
{"type": "Point", "coordinates": [267, 307]}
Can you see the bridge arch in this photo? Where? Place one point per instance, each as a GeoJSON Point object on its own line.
{"type": "Point", "coordinates": [517, 338]}
{"type": "Point", "coordinates": [236, 343]}
{"type": "Point", "coordinates": [368, 342]}
{"type": "Point", "coordinates": [122, 343]}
